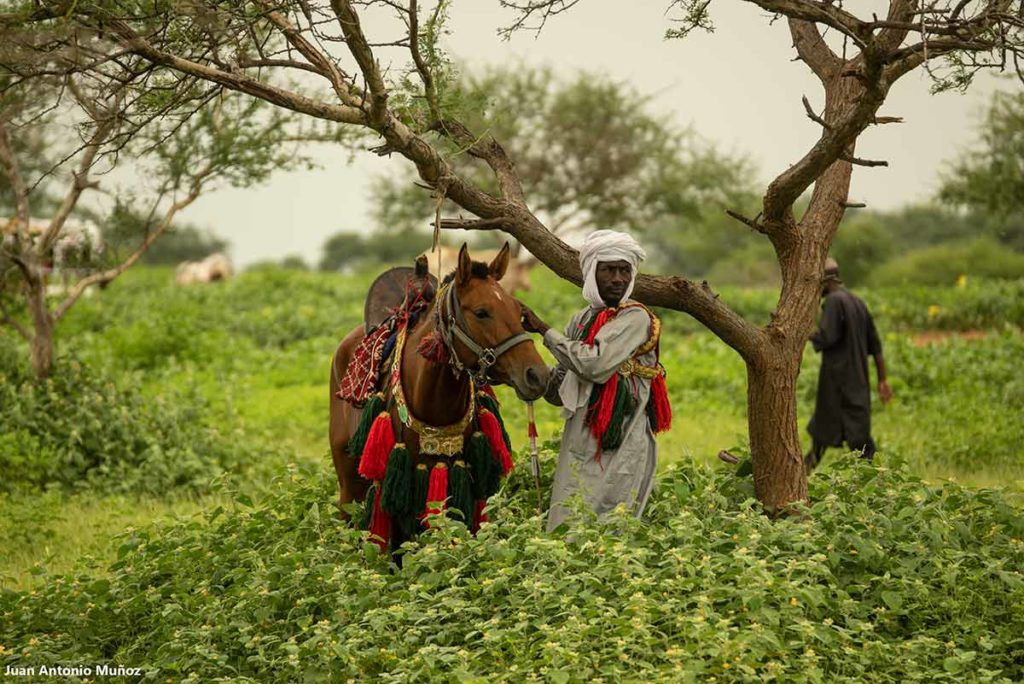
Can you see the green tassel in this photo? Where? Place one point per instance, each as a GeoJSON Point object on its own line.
{"type": "Point", "coordinates": [367, 518]}
{"type": "Point", "coordinates": [622, 411]}
{"type": "Point", "coordinates": [420, 484]}
{"type": "Point", "coordinates": [481, 462]}
{"type": "Point", "coordinates": [373, 407]}
{"type": "Point", "coordinates": [652, 414]}
{"type": "Point", "coordinates": [486, 401]}
{"type": "Point", "coordinates": [460, 491]}
{"type": "Point", "coordinates": [396, 495]}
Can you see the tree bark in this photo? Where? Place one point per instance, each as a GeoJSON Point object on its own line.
{"type": "Point", "coordinates": [41, 344]}
{"type": "Point", "coordinates": [779, 477]}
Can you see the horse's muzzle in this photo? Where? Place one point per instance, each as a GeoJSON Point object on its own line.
{"type": "Point", "coordinates": [533, 382]}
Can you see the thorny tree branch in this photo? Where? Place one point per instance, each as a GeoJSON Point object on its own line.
{"type": "Point", "coordinates": [538, 10]}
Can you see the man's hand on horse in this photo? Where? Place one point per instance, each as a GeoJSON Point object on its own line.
{"type": "Point", "coordinates": [532, 322]}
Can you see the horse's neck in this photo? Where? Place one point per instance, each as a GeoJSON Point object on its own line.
{"type": "Point", "coordinates": [433, 393]}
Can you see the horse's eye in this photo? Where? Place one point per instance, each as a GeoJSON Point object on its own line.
{"type": "Point", "coordinates": [482, 313]}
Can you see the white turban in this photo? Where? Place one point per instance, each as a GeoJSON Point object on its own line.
{"type": "Point", "coordinates": [607, 245]}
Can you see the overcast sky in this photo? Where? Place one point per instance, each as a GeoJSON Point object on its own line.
{"type": "Point", "coordinates": [738, 87]}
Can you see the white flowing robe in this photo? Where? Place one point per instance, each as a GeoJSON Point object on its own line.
{"type": "Point", "coordinates": [625, 475]}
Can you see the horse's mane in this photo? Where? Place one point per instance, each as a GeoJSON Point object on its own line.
{"type": "Point", "coordinates": [478, 270]}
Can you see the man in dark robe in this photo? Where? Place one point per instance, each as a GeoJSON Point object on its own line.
{"type": "Point", "coordinates": [845, 338]}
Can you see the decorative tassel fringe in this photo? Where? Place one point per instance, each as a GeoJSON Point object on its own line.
{"type": "Point", "coordinates": [374, 405]}
{"type": "Point", "coordinates": [487, 400]}
{"type": "Point", "coordinates": [479, 517]}
{"type": "Point", "coordinates": [380, 523]}
{"type": "Point", "coordinates": [432, 348]}
{"type": "Point", "coordinates": [460, 492]}
{"type": "Point", "coordinates": [437, 490]}
{"type": "Point", "coordinates": [397, 491]}
{"type": "Point", "coordinates": [379, 443]}
{"type": "Point", "coordinates": [599, 320]}
{"type": "Point", "coordinates": [622, 409]}
{"type": "Point", "coordinates": [420, 485]}
{"type": "Point", "coordinates": [485, 471]}
{"type": "Point", "coordinates": [367, 513]}
{"type": "Point", "coordinates": [662, 406]}
{"type": "Point", "coordinates": [601, 412]}
{"type": "Point", "coordinates": [492, 429]}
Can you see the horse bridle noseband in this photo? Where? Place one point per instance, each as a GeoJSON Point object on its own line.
{"type": "Point", "coordinates": [453, 326]}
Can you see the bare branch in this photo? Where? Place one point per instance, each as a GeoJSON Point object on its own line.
{"type": "Point", "coordinates": [813, 50]}
{"type": "Point", "coordinates": [527, 9]}
{"type": "Point", "coordinates": [422, 67]}
{"type": "Point", "coordinates": [473, 224]}
{"type": "Point", "coordinates": [360, 49]}
{"type": "Point", "coordinates": [670, 292]}
{"type": "Point", "coordinates": [863, 162]}
{"type": "Point", "coordinates": [322, 63]}
{"type": "Point", "coordinates": [106, 123]}
{"type": "Point", "coordinates": [237, 82]}
{"type": "Point", "coordinates": [10, 320]}
{"type": "Point", "coordinates": [853, 205]}
{"type": "Point", "coordinates": [812, 115]}
{"type": "Point", "coordinates": [751, 223]}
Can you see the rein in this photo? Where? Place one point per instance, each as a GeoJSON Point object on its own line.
{"type": "Point", "coordinates": [453, 326]}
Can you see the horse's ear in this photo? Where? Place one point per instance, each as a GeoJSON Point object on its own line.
{"type": "Point", "coordinates": [464, 271]}
{"type": "Point", "coordinates": [500, 264]}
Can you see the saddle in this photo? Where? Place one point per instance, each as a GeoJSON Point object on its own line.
{"type": "Point", "coordinates": [397, 296]}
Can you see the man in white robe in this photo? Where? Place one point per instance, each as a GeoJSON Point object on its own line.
{"type": "Point", "coordinates": [623, 344]}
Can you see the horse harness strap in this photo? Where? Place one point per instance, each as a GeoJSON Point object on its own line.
{"type": "Point", "coordinates": [453, 325]}
{"type": "Point", "coordinates": [443, 440]}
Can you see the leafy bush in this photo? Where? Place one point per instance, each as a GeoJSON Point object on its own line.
{"type": "Point", "coordinates": [84, 429]}
{"type": "Point", "coordinates": [885, 580]}
{"type": "Point", "coordinates": [944, 263]}
{"type": "Point", "coordinates": [975, 304]}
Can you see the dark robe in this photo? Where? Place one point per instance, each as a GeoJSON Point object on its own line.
{"type": "Point", "coordinates": [845, 338]}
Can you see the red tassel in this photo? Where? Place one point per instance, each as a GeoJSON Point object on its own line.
{"type": "Point", "coordinates": [602, 411]}
{"type": "Point", "coordinates": [489, 391]}
{"type": "Point", "coordinates": [380, 524]}
{"type": "Point", "coordinates": [603, 317]}
{"type": "Point", "coordinates": [662, 407]}
{"type": "Point", "coordinates": [379, 443]}
{"type": "Point", "coordinates": [479, 517]}
{"type": "Point", "coordinates": [492, 429]}
{"type": "Point", "coordinates": [531, 430]}
{"type": "Point", "coordinates": [432, 348]}
{"type": "Point", "coordinates": [437, 490]}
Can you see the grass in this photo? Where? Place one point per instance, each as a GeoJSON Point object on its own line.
{"type": "Point", "coordinates": [54, 534]}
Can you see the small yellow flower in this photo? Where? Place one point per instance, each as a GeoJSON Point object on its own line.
{"type": "Point", "coordinates": [33, 642]}
{"type": "Point", "coordinates": [961, 281]}
{"type": "Point", "coordinates": [933, 310]}
{"type": "Point", "coordinates": [793, 602]}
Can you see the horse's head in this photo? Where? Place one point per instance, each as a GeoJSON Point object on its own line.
{"type": "Point", "coordinates": [491, 318]}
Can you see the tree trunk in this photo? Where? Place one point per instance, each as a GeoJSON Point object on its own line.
{"type": "Point", "coordinates": [779, 476]}
{"type": "Point", "coordinates": [42, 326]}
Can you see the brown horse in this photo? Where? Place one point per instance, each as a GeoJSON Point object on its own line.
{"type": "Point", "coordinates": [484, 336]}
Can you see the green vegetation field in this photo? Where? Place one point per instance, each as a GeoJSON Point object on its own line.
{"type": "Point", "coordinates": [167, 503]}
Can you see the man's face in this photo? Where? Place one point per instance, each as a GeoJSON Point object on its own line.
{"type": "Point", "coordinates": [613, 278]}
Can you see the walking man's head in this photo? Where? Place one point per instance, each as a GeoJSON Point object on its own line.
{"type": "Point", "coordinates": [609, 261]}
{"type": "Point", "coordinates": [830, 279]}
